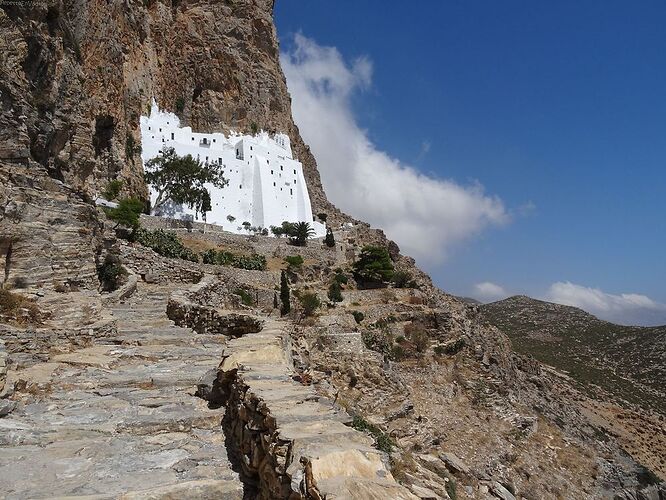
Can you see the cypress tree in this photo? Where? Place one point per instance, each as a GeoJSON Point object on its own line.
{"type": "Point", "coordinates": [329, 240]}
{"type": "Point", "coordinates": [284, 294]}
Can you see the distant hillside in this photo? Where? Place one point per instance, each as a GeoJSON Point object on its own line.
{"type": "Point", "coordinates": [628, 362]}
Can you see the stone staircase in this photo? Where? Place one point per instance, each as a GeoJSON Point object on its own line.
{"type": "Point", "coordinates": [119, 419]}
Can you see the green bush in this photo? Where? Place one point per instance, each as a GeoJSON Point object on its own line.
{"type": "Point", "coordinates": [293, 261]}
{"type": "Point", "coordinates": [111, 272]}
{"type": "Point", "coordinates": [403, 279]}
{"type": "Point", "coordinates": [358, 316]}
{"type": "Point", "coordinates": [335, 292]}
{"type": "Point", "coordinates": [112, 189]}
{"type": "Point", "coordinates": [373, 266]}
{"type": "Point", "coordinates": [126, 213]}
{"type": "Point", "coordinates": [309, 302]}
{"type": "Point", "coordinates": [225, 258]}
{"type": "Point", "coordinates": [246, 297]}
{"type": "Point", "coordinates": [340, 277]}
{"type": "Point", "coordinates": [383, 441]}
{"type": "Point", "coordinates": [165, 243]}
{"type": "Point", "coordinates": [180, 105]}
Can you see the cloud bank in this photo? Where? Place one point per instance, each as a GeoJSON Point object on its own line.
{"type": "Point", "coordinates": [626, 308]}
{"type": "Point", "coordinates": [489, 292]}
{"type": "Point", "coordinates": [426, 216]}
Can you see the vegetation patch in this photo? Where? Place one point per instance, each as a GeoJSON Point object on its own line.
{"type": "Point", "coordinates": [165, 243]}
{"type": "Point", "coordinates": [309, 302]}
{"type": "Point", "coordinates": [17, 309]}
{"type": "Point", "coordinates": [373, 267]}
{"type": "Point", "coordinates": [246, 297]}
{"type": "Point", "coordinates": [225, 258]}
{"type": "Point", "coordinates": [111, 273]}
{"type": "Point", "coordinates": [383, 441]}
{"type": "Point", "coordinates": [127, 213]}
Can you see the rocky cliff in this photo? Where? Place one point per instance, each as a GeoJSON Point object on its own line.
{"type": "Point", "coordinates": [75, 77]}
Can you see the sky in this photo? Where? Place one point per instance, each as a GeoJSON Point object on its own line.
{"type": "Point", "coordinates": [510, 147]}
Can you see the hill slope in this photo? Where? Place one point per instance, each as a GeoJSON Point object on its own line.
{"type": "Point", "coordinates": [628, 362]}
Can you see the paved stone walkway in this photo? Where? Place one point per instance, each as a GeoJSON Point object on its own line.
{"type": "Point", "coordinates": [119, 419]}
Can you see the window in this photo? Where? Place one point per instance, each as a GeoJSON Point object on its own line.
{"type": "Point", "coordinates": [172, 136]}
{"type": "Point", "coordinates": [192, 138]}
{"type": "Point", "coordinates": [281, 167]}
{"type": "Point", "coordinates": [240, 186]}
{"type": "Point", "coordinates": [148, 128]}
{"type": "Point", "coordinates": [160, 130]}
{"type": "Point", "coordinates": [213, 140]}
{"type": "Point", "coordinates": [273, 184]}
{"type": "Point", "coordinates": [267, 161]}
{"type": "Point", "coordinates": [294, 181]}
{"type": "Point", "coordinates": [294, 171]}
{"type": "Point", "coordinates": [250, 148]}
{"type": "Point", "coordinates": [219, 161]}
{"type": "Point", "coordinates": [291, 192]}
{"type": "Point", "coordinates": [271, 172]}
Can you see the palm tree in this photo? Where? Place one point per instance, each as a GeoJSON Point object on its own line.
{"type": "Point", "coordinates": [300, 233]}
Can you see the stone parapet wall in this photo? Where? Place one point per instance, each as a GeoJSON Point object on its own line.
{"type": "Point", "coordinates": [184, 309]}
{"type": "Point", "coordinates": [289, 442]}
{"type": "Point", "coordinates": [153, 268]}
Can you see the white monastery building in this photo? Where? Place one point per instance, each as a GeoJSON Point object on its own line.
{"type": "Point", "coordinates": [266, 184]}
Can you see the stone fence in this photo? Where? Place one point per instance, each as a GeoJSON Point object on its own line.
{"type": "Point", "coordinates": [190, 308]}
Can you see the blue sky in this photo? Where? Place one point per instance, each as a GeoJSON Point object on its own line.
{"type": "Point", "coordinates": [557, 109]}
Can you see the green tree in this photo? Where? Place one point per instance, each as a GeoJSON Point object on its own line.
{"type": "Point", "coordinates": [293, 261]}
{"type": "Point", "coordinates": [335, 292]}
{"type": "Point", "coordinates": [329, 240]}
{"type": "Point", "coordinates": [299, 233]}
{"type": "Point", "coordinates": [182, 180]}
{"type": "Point", "coordinates": [373, 266]}
{"type": "Point", "coordinates": [284, 294]}
{"type": "Point", "coordinates": [126, 213]}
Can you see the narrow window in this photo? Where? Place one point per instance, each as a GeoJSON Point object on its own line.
{"type": "Point", "coordinates": [294, 171]}
{"type": "Point", "coordinates": [160, 130]}
{"type": "Point", "coordinates": [240, 186]}
{"type": "Point", "coordinates": [273, 184]}
{"type": "Point", "coordinates": [172, 136]}
{"type": "Point", "coordinates": [291, 192]}
{"type": "Point", "coordinates": [148, 128]}
{"type": "Point", "coordinates": [271, 172]}
{"type": "Point", "coordinates": [281, 167]}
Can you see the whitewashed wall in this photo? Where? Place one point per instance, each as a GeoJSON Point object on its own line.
{"type": "Point", "coordinates": [266, 184]}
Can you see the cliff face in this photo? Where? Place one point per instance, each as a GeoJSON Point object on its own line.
{"type": "Point", "coordinates": [75, 77]}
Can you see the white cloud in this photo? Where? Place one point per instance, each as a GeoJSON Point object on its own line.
{"type": "Point", "coordinates": [426, 216]}
{"type": "Point", "coordinates": [626, 308]}
{"type": "Point", "coordinates": [489, 292]}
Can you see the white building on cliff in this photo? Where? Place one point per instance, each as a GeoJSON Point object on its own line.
{"type": "Point", "coordinates": [266, 184]}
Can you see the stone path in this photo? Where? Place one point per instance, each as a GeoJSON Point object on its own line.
{"type": "Point", "coordinates": [119, 419]}
{"type": "Point", "coordinates": [288, 440]}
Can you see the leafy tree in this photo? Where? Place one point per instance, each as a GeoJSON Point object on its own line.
{"type": "Point", "coordinates": [126, 213]}
{"type": "Point", "coordinates": [165, 243]}
{"type": "Point", "coordinates": [182, 180]}
{"type": "Point", "coordinates": [373, 266]}
{"type": "Point", "coordinates": [111, 272]}
{"type": "Point", "coordinates": [335, 292]}
{"type": "Point", "coordinates": [329, 240]}
{"type": "Point", "coordinates": [284, 294]}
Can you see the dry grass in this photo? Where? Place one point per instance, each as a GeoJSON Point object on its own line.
{"type": "Point", "coordinates": [17, 309]}
{"type": "Point", "coordinates": [200, 245]}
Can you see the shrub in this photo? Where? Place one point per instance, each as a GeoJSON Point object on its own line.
{"type": "Point", "coordinates": [293, 261]}
{"type": "Point", "coordinates": [284, 294]}
{"type": "Point", "coordinates": [111, 272]}
{"type": "Point", "coordinates": [225, 258]}
{"type": "Point", "coordinates": [165, 243]}
{"type": "Point", "coordinates": [246, 297]}
{"type": "Point", "coordinates": [16, 308]}
{"type": "Point", "coordinates": [254, 128]}
{"type": "Point", "coordinates": [180, 105]}
{"type": "Point", "coordinates": [397, 353]}
{"type": "Point", "coordinates": [400, 339]}
{"type": "Point", "coordinates": [126, 213]}
{"type": "Point", "coordinates": [309, 302]}
{"type": "Point", "coordinates": [358, 316]}
{"type": "Point", "coordinates": [322, 217]}
{"type": "Point", "coordinates": [340, 277]}
{"type": "Point", "coordinates": [131, 148]}
{"type": "Point", "coordinates": [383, 441]}
{"type": "Point", "coordinates": [335, 292]}
{"type": "Point", "coordinates": [373, 266]}
{"type": "Point", "coordinates": [112, 189]}
{"type": "Point", "coordinates": [421, 341]}
{"type": "Point", "coordinates": [403, 279]}
{"type": "Point", "coordinates": [329, 240]}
